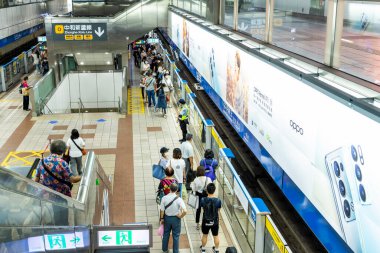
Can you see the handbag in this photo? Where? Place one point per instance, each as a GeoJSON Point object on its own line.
{"type": "Point", "coordinates": [66, 155]}
{"type": "Point", "coordinates": [83, 150]}
{"type": "Point", "coordinates": [193, 200]}
{"type": "Point", "coordinates": [62, 181]}
{"type": "Point", "coordinates": [158, 171]}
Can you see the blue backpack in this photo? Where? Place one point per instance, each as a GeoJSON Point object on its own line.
{"type": "Point", "coordinates": [209, 169]}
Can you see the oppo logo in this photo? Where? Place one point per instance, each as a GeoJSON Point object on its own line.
{"type": "Point", "coordinates": [296, 127]}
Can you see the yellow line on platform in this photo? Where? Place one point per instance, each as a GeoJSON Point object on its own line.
{"type": "Point", "coordinates": [21, 158]}
{"type": "Point", "coordinates": [135, 101]}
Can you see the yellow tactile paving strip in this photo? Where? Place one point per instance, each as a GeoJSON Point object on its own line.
{"type": "Point", "coordinates": [21, 158]}
{"type": "Point", "coordinates": [135, 101]}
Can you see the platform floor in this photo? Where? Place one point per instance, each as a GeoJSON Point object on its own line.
{"type": "Point", "coordinates": [126, 145]}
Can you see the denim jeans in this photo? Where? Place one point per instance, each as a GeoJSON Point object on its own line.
{"type": "Point", "coordinates": [76, 165]}
{"type": "Point", "coordinates": [173, 224]}
{"type": "Point", "coordinates": [180, 189]}
{"type": "Point", "coordinates": [151, 96]}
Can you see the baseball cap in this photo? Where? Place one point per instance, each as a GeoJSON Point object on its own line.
{"type": "Point", "coordinates": [182, 101]}
{"type": "Point", "coordinates": [164, 150]}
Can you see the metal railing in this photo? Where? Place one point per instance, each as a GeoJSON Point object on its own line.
{"type": "Point", "coordinates": [25, 203]}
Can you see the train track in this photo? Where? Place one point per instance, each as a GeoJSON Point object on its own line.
{"type": "Point", "coordinates": [258, 182]}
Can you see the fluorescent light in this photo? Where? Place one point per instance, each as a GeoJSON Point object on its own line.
{"type": "Point", "coordinates": [81, 63]}
{"type": "Point", "coordinates": [106, 53]}
{"type": "Point", "coordinates": [78, 53]}
{"type": "Point", "coordinates": [108, 62]}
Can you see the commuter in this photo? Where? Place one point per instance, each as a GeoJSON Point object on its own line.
{"type": "Point", "coordinates": [144, 68]}
{"type": "Point", "coordinates": [164, 185]}
{"type": "Point", "coordinates": [210, 164]}
{"type": "Point", "coordinates": [211, 206]}
{"type": "Point", "coordinates": [183, 118]}
{"type": "Point", "coordinates": [53, 172]}
{"type": "Point", "coordinates": [188, 155]}
{"type": "Point", "coordinates": [178, 165]}
{"type": "Point", "coordinates": [198, 186]}
{"type": "Point", "coordinates": [150, 85]}
{"type": "Point", "coordinates": [164, 157]}
{"type": "Point", "coordinates": [168, 83]}
{"type": "Point", "coordinates": [76, 146]}
{"type": "Point", "coordinates": [172, 210]}
{"type": "Point", "coordinates": [45, 66]}
{"type": "Point", "coordinates": [143, 54]}
{"type": "Point", "coordinates": [231, 250]}
{"type": "Point", "coordinates": [25, 93]}
{"type": "Point", "coordinates": [161, 102]}
{"type": "Point", "coordinates": [142, 86]}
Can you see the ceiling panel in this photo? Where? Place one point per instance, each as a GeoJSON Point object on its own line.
{"type": "Point", "coordinates": [94, 58]}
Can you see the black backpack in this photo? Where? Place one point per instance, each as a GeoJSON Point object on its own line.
{"type": "Point", "coordinates": [20, 88]}
{"type": "Point", "coordinates": [209, 212]}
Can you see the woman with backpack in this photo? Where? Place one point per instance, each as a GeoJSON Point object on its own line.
{"type": "Point", "coordinates": [210, 164]}
{"type": "Point", "coordinates": [164, 185]}
{"type": "Point", "coordinates": [199, 186]}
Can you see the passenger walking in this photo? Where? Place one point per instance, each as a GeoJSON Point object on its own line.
{"type": "Point", "coordinates": [168, 87]}
{"type": "Point", "coordinates": [211, 206]}
{"type": "Point", "coordinates": [183, 118]}
{"type": "Point", "coordinates": [188, 156]}
{"type": "Point", "coordinates": [25, 94]}
{"type": "Point", "coordinates": [198, 186]}
{"type": "Point", "coordinates": [53, 172]}
{"type": "Point", "coordinates": [161, 102]}
{"type": "Point", "coordinates": [210, 164]}
{"type": "Point", "coordinates": [178, 165]}
{"type": "Point", "coordinates": [45, 66]}
{"type": "Point", "coordinates": [164, 185]}
{"type": "Point", "coordinates": [172, 210]}
{"type": "Point", "coordinates": [150, 85]}
{"type": "Point", "coordinates": [142, 86]}
{"type": "Point", "coordinates": [75, 145]}
{"type": "Point", "coordinates": [164, 157]}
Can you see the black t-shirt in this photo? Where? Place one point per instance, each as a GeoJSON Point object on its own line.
{"type": "Point", "coordinates": [217, 205]}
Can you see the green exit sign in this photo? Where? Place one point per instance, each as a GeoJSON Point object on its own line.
{"type": "Point", "coordinates": [119, 238]}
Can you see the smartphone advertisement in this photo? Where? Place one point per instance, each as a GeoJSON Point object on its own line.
{"type": "Point", "coordinates": [320, 152]}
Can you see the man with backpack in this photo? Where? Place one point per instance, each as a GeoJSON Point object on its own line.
{"type": "Point", "coordinates": [172, 210]}
{"type": "Point", "coordinates": [211, 206]}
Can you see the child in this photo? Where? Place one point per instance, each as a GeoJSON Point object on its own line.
{"type": "Point", "coordinates": [164, 157]}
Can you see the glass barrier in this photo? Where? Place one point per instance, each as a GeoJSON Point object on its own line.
{"type": "Point", "coordinates": [12, 72]}
{"type": "Point", "coordinates": [251, 18]}
{"type": "Point", "coordinates": [197, 125]}
{"type": "Point", "coordinates": [40, 92]}
{"type": "Point", "coordinates": [25, 203]}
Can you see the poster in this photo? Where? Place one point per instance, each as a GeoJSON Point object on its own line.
{"type": "Point", "coordinates": [321, 153]}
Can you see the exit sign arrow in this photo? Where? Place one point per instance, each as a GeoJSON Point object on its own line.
{"type": "Point", "coordinates": [99, 32]}
{"type": "Point", "coordinates": [106, 238]}
{"type": "Point", "coordinates": [75, 240]}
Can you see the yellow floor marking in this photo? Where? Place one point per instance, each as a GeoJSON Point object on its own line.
{"type": "Point", "coordinates": [21, 158]}
{"type": "Point", "coordinates": [135, 101]}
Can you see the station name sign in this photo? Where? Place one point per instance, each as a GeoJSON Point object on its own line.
{"type": "Point", "coordinates": [80, 31]}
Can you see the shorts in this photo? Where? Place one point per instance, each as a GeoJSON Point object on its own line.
{"type": "Point", "coordinates": [214, 229]}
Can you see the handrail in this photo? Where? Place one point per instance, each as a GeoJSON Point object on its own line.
{"type": "Point", "coordinates": [86, 201]}
{"type": "Point", "coordinates": [44, 104]}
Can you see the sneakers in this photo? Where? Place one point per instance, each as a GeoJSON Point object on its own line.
{"type": "Point", "coordinates": [202, 250]}
{"type": "Point", "coordinates": [215, 250]}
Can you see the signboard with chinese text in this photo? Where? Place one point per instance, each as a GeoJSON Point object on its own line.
{"type": "Point", "coordinates": [80, 31]}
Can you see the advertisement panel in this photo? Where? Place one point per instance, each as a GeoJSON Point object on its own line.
{"type": "Point", "coordinates": [320, 152]}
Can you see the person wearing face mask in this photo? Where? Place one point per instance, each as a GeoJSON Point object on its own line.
{"type": "Point", "coordinates": [169, 87]}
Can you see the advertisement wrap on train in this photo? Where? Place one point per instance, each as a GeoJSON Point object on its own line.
{"type": "Point", "coordinates": [320, 152]}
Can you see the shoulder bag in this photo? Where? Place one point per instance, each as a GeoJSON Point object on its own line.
{"type": "Point", "coordinates": [83, 150]}
{"type": "Point", "coordinates": [62, 181]}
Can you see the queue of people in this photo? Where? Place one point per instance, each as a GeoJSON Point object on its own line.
{"type": "Point", "coordinates": [171, 189]}
{"type": "Point", "coordinates": [155, 81]}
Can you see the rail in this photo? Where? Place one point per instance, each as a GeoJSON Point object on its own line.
{"type": "Point", "coordinates": [249, 217]}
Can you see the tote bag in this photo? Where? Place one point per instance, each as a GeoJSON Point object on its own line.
{"type": "Point", "coordinates": [158, 171]}
{"type": "Point", "coordinates": [193, 200]}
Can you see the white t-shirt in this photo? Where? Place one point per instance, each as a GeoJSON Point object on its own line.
{"type": "Point", "coordinates": [74, 151]}
{"type": "Point", "coordinates": [178, 166]}
{"type": "Point", "coordinates": [199, 184]}
{"type": "Point", "coordinates": [175, 208]}
{"type": "Point", "coordinates": [187, 149]}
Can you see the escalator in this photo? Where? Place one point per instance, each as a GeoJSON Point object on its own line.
{"type": "Point", "coordinates": [32, 216]}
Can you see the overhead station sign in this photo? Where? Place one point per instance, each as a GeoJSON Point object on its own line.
{"type": "Point", "coordinates": [80, 31]}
